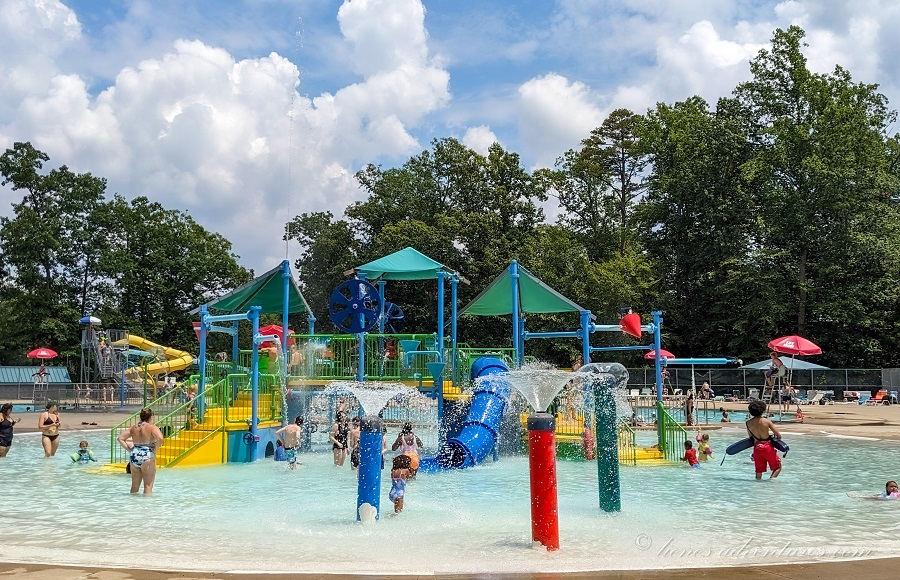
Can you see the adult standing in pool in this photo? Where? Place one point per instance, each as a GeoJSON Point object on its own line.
{"type": "Point", "coordinates": [338, 437]}
{"type": "Point", "coordinates": [49, 425]}
{"type": "Point", "coordinates": [6, 428]}
{"type": "Point", "coordinates": [146, 438]}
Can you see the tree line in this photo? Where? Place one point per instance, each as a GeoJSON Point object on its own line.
{"type": "Point", "coordinates": [774, 211]}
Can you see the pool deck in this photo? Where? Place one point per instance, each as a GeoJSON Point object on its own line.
{"type": "Point", "coordinates": [885, 568]}
{"type": "Point", "coordinates": [847, 419]}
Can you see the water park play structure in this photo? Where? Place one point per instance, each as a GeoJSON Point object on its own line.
{"type": "Point", "coordinates": [230, 409]}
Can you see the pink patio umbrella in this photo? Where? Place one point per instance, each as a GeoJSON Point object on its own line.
{"type": "Point", "coordinates": [42, 353]}
{"type": "Point", "coordinates": [652, 354]}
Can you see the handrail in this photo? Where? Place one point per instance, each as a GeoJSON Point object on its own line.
{"type": "Point", "coordinates": [671, 434]}
{"type": "Point", "coordinates": [164, 416]}
{"type": "Point", "coordinates": [627, 444]}
{"type": "Point", "coordinates": [266, 390]}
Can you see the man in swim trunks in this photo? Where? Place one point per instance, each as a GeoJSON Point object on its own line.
{"type": "Point", "coordinates": [147, 438]}
{"type": "Point", "coordinates": [764, 455]}
{"type": "Point", "coordinates": [289, 435]}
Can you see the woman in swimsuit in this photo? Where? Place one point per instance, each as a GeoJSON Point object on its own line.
{"type": "Point", "coordinates": [408, 444]}
{"type": "Point", "coordinates": [6, 428]}
{"type": "Point", "coordinates": [338, 437]}
{"type": "Point", "coordinates": [146, 438]}
{"type": "Point", "coordinates": [49, 425]}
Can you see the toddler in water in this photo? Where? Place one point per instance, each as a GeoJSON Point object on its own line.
{"type": "Point", "coordinates": [399, 475]}
{"type": "Point", "coordinates": [703, 449]}
{"type": "Point", "coordinates": [891, 491]}
{"type": "Point", "coordinates": [690, 454]}
{"type": "Point", "coordinates": [83, 455]}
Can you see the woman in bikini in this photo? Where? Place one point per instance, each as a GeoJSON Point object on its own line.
{"type": "Point", "coordinates": [146, 438]}
{"type": "Point", "coordinates": [49, 425]}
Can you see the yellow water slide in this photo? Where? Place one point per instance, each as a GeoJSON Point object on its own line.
{"type": "Point", "coordinates": [176, 360]}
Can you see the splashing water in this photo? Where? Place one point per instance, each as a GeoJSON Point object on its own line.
{"type": "Point", "coordinates": [540, 383]}
{"type": "Point", "coordinates": [372, 396]}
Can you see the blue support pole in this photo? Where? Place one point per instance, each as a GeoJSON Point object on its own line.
{"type": "Point", "coordinates": [514, 276]}
{"type": "Point", "coordinates": [381, 319]}
{"type": "Point", "coordinates": [369, 482]}
{"type": "Point", "coordinates": [253, 315]}
{"type": "Point", "coordinates": [657, 345]}
{"type": "Point", "coordinates": [201, 359]}
{"type": "Point", "coordinates": [286, 305]}
{"type": "Point", "coordinates": [585, 336]}
{"type": "Point", "coordinates": [454, 282]}
{"type": "Point", "coordinates": [361, 346]}
{"type": "Point", "coordinates": [311, 320]}
{"type": "Point", "coordinates": [439, 378]}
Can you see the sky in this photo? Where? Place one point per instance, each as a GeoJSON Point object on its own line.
{"type": "Point", "coordinates": [246, 113]}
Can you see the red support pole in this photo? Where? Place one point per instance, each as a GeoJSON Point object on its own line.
{"type": "Point", "coordinates": [542, 461]}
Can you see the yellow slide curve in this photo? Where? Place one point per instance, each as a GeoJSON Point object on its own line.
{"type": "Point", "coordinates": [176, 360]}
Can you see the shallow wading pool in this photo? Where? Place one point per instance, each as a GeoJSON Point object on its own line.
{"type": "Point", "coordinates": [263, 517]}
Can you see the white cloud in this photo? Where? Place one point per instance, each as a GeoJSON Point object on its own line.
{"type": "Point", "coordinates": [479, 139]}
{"type": "Point", "coordinates": [232, 141]}
{"type": "Point", "coordinates": [555, 115]}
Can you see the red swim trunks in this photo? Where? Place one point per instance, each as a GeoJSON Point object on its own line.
{"type": "Point", "coordinates": [764, 454]}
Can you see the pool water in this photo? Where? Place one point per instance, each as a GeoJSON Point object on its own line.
{"type": "Point", "coordinates": [263, 517]}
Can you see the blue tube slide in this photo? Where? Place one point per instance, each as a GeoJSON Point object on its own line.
{"type": "Point", "coordinates": [479, 431]}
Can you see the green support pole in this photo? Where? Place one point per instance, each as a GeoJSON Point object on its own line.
{"type": "Point", "coordinates": [607, 443]}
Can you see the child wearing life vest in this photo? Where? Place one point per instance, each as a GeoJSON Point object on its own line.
{"type": "Point", "coordinates": [704, 451]}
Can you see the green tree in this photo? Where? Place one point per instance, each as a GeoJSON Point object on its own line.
{"type": "Point", "coordinates": [49, 250]}
{"type": "Point", "coordinates": [823, 161]}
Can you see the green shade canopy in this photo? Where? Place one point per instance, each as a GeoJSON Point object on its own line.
{"type": "Point", "coordinates": [405, 264]}
{"type": "Point", "coordinates": [534, 296]}
{"type": "Point", "coordinates": [266, 291]}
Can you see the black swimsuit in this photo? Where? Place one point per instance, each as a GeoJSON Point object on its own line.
{"type": "Point", "coordinates": [341, 437]}
{"type": "Point", "coordinates": [6, 432]}
{"type": "Point", "coordinates": [49, 421]}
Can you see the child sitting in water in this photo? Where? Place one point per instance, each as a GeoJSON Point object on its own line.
{"type": "Point", "coordinates": [891, 491]}
{"type": "Point", "coordinates": [703, 449]}
{"type": "Point", "coordinates": [690, 454]}
{"type": "Point", "coordinates": [83, 455]}
{"type": "Point", "coordinates": [399, 475]}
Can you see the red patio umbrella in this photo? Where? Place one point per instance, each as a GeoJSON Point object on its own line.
{"type": "Point", "coordinates": [275, 329]}
{"type": "Point", "coordinates": [652, 354]}
{"type": "Point", "coordinates": [42, 353]}
{"type": "Point", "coordinates": [794, 345]}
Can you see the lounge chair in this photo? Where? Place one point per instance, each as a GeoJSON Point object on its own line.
{"type": "Point", "coordinates": [864, 398]}
{"type": "Point", "coordinates": [816, 399]}
{"type": "Point", "coordinates": [880, 398]}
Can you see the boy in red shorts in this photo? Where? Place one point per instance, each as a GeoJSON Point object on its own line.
{"type": "Point", "coordinates": [764, 455]}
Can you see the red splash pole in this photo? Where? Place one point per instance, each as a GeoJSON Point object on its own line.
{"type": "Point", "coordinates": [542, 461]}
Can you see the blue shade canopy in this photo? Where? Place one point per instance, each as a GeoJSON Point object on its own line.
{"type": "Point", "coordinates": [789, 362]}
{"type": "Point", "coordinates": [534, 296]}
{"type": "Point", "coordinates": [405, 264]}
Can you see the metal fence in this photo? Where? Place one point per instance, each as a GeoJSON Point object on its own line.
{"type": "Point", "coordinates": [738, 382]}
{"type": "Point", "coordinates": [75, 395]}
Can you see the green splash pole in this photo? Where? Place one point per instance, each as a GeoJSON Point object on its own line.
{"type": "Point", "coordinates": [607, 443]}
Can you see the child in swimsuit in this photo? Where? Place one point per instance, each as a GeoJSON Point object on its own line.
{"type": "Point", "coordinates": [690, 455]}
{"type": "Point", "coordinates": [704, 451]}
{"type": "Point", "coordinates": [408, 444]}
{"type": "Point", "coordinates": [891, 491]}
{"type": "Point", "coordinates": [83, 455]}
{"type": "Point", "coordinates": [399, 475]}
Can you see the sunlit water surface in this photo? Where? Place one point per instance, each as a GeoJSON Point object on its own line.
{"type": "Point", "coordinates": [263, 517]}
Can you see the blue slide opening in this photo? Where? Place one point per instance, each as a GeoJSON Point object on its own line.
{"type": "Point", "coordinates": [479, 431]}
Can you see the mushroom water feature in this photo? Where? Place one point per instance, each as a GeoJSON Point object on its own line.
{"type": "Point", "coordinates": [372, 398]}
{"type": "Point", "coordinates": [539, 385]}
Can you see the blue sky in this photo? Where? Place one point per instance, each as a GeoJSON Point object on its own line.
{"type": "Point", "coordinates": [247, 112]}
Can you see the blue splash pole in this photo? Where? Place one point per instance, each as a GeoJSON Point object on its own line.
{"type": "Point", "coordinates": [369, 484]}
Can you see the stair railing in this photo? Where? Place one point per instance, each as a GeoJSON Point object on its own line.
{"type": "Point", "coordinates": [671, 435]}
{"type": "Point", "coordinates": [627, 444]}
